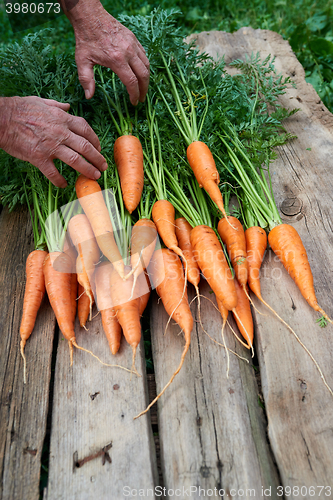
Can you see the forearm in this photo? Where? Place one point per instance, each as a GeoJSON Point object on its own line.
{"type": "Point", "coordinates": [6, 104]}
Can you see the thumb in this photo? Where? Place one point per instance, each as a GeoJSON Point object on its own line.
{"type": "Point", "coordinates": [86, 76]}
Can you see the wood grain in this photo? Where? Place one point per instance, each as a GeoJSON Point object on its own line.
{"type": "Point", "coordinates": [298, 406]}
{"type": "Point", "coordinates": [94, 407]}
{"type": "Point", "coordinates": [211, 428]}
{"type": "Point", "coordinates": [23, 407]}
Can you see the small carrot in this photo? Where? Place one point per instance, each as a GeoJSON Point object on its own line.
{"type": "Point", "coordinates": [143, 291]}
{"type": "Point", "coordinates": [83, 238]}
{"type": "Point", "coordinates": [212, 262]}
{"type": "Point", "coordinates": [111, 326]}
{"type": "Point", "coordinates": [33, 296]}
{"type": "Point", "coordinates": [232, 234]}
{"type": "Point", "coordinates": [167, 272]}
{"type": "Point", "coordinates": [287, 245]}
{"type": "Point", "coordinates": [163, 215]}
{"type": "Point", "coordinates": [244, 318]}
{"type": "Point", "coordinates": [183, 234]}
{"type": "Point", "coordinates": [69, 250]}
{"type": "Point", "coordinates": [127, 311]}
{"type": "Point", "coordinates": [83, 306]}
{"type": "Point", "coordinates": [91, 199]}
{"type": "Point", "coordinates": [74, 299]}
{"type": "Point", "coordinates": [203, 165]}
{"type": "Point", "coordinates": [143, 243]}
{"type": "Point", "coordinates": [128, 156]}
{"type": "Point", "coordinates": [256, 244]}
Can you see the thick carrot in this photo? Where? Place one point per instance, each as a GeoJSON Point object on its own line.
{"type": "Point", "coordinates": [83, 306]}
{"type": "Point", "coordinates": [111, 326]}
{"type": "Point", "coordinates": [163, 215]}
{"type": "Point", "coordinates": [167, 272]}
{"type": "Point", "coordinates": [256, 244]}
{"type": "Point", "coordinates": [287, 245]}
{"type": "Point", "coordinates": [244, 315]}
{"type": "Point", "coordinates": [183, 234]}
{"type": "Point", "coordinates": [128, 156]}
{"type": "Point", "coordinates": [83, 238]}
{"type": "Point", "coordinates": [212, 262]}
{"type": "Point", "coordinates": [58, 287]}
{"type": "Point", "coordinates": [203, 165]}
{"type": "Point", "coordinates": [127, 310]}
{"type": "Point", "coordinates": [232, 234]}
{"type": "Point", "coordinates": [91, 199]}
{"type": "Point", "coordinates": [143, 243]}
{"type": "Point", "coordinates": [33, 296]}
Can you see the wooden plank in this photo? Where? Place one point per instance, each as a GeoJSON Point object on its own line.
{"type": "Point", "coordinates": [211, 428]}
{"type": "Point", "coordinates": [298, 406]}
{"type": "Point", "coordinates": [23, 408]}
{"type": "Point", "coordinates": [94, 407]}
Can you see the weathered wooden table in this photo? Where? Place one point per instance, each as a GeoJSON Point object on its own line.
{"type": "Point", "coordinates": [212, 431]}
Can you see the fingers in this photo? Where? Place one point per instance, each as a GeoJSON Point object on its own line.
{"type": "Point", "coordinates": [142, 73]}
{"type": "Point", "coordinates": [62, 105]}
{"type": "Point", "coordinates": [75, 160]}
{"type": "Point", "coordinates": [51, 172]}
{"type": "Point", "coordinates": [80, 127]}
{"type": "Point", "coordinates": [87, 150]}
{"type": "Point", "coordinates": [86, 76]}
{"type": "Point", "coordinates": [130, 81]}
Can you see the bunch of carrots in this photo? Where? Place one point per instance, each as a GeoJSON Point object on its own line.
{"type": "Point", "coordinates": [160, 216]}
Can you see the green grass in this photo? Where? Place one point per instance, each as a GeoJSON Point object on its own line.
{"type": "Point", "coordinates": [308, 26]}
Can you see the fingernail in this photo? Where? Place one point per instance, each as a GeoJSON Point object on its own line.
{"type": "Point", "coordinates": [97, 174]}
{"type": "Point", "coordinates": [87, 94]}
{"type": "Point", "coordinates": [104, 166]}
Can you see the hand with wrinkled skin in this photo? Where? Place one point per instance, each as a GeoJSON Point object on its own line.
{"type": "Point", "coordinates": [40, 130]}
{"type": "Point", "coordinates": [101, 39]}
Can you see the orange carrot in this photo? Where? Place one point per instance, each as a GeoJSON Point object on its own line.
{"type": "Point", "coordinates": [244, 316]}
{"type": "Point", "coordinates": [74, 300]}
{"type": "Point", "coordinates": [143, 242]}
{"type": "Point", "coordinates": [127, 310]}
{"type": "Point", "coordinates": [83, 306]}
{"type": "Point", "coordinates": [163, 215]}
{"type": "Point", "coordinates": [128, 156]}
{"type": "Point", "coordinates": [287, 245]}
{"type": "Point", "coordinates": [91, 199]}
{"type": "Point", "coordinates": [88, 251]}
{"type": "Point", "coordinates": [33, 296]}
{"type": "Point", "coordinates": [212, 262]}
{"type": "Point", "coordinates": [69, 250]}
{"type": "Point", "coordinates": [167, 272]}
{"type": "Point", "coordinates": [183, 232]}
{"type": "Point", "coordinates": [58, 287]}
{"type": "Point", "coordinates": [256, 244]}
{"type": "Point", "coordinates": [143, 291]}
{"type": "Point", "coordinates": [232, 234]}
{"type": "Point", "coordinates": [111, 326]}
{"type": "Point", "coordinates": [203, 165]}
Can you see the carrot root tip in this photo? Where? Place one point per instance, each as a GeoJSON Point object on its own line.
{"type": "Point", "coordinates": [22, 345]}
{"type": "Point", "coordinates": [186, 348]}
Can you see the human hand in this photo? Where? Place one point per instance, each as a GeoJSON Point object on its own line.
{"type": "Point", "coordinates": [101, 39]}
{"type": "Point", "coordinates": [39, 130]}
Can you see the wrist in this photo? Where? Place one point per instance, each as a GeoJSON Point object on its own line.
{"type": "Point", "coordinates": [83, 13]}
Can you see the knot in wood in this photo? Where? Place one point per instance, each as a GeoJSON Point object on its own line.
{"type": "Point", "coordinates": [291, 206]}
